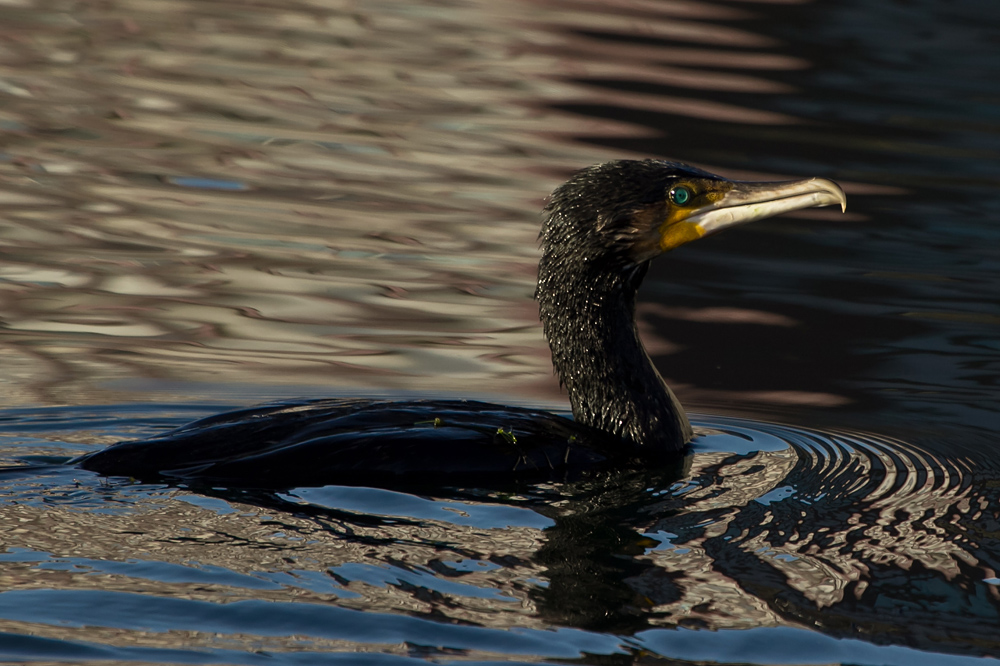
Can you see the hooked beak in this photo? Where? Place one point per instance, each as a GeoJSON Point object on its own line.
{"type": "Point", "coordinates": [736, 203]}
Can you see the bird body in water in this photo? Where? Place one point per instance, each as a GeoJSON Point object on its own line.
{"type": "Point", "coordinates": [602, 228]}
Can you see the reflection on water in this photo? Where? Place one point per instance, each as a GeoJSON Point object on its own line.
{"type": "Point", "coordinates": [227, 201]}
{"type": "Point", "coordinates": [763, 526]}
{"type": "Point", "coordinates": [186, 212]}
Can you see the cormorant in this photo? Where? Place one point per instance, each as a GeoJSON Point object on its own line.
{"type": "Point", "coordinates": [602, 228]}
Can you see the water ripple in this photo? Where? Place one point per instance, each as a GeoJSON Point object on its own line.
{"type": "Point", "coordinates": [824, 533]}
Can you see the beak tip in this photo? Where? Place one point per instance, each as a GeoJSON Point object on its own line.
{"type": "Point", "coordinates": [836, 190]}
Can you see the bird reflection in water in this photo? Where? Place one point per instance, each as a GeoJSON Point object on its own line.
{"type": "Point", "coordinates": [854, 535]}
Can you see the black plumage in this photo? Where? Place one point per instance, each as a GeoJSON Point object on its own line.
{"type": "Point", "coordinates": [602, 228]}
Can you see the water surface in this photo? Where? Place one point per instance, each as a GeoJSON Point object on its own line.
{"type": "Point", "coordinates": [203, 205]}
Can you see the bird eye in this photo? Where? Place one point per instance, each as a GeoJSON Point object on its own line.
{"type": "Point", "coordinates": [680, 195]}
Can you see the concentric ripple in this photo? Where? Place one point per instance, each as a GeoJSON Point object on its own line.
{"type": "Point", "coordinates": [845, 530]}
{"type": "Point", "coordinates": [853, 466]}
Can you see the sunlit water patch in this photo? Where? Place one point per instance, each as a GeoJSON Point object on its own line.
{"type": "Point", "coordinates": [771, 543]}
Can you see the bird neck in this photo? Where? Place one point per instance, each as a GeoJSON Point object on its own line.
{"type": "Point", "coordinates": [588, 316]}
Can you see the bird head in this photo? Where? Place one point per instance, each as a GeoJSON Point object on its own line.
{"type": "Point", "coordinates": [630, 211]}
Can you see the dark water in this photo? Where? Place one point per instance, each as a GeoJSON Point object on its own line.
{"type": "Point", "coordinates": [203, 205]}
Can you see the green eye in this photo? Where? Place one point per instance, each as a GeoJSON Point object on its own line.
{"type": "Point", "coordinates": [680, 195]}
